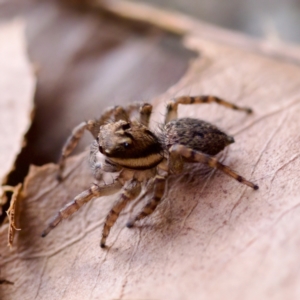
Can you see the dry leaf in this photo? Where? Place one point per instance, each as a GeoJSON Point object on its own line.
{"type": "Point", "coordinates": [17, 85]}
{"type": "Point", "coordinates": [13, 212]}
{"type": "Point", "coordinates": [211, 236]}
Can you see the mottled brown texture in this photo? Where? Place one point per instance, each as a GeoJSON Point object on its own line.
{"type": "Point", "coordinates": [194, 156]}
{"type": "Point", "coordinates": [131, 149]}
{"type": "Point", "coordinates": [211, 238]}
{"type": "Point", "coordinates": [172, 106]}
{"type": "Point", "coordinates": [129, 140]}
{"type": "Point", "coordinates": [196, 134]}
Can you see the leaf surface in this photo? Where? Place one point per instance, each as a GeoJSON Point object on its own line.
{"type": "Point", "coordinates": [211, 237]}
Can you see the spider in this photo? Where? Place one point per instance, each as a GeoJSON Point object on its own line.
{"type": "Point", "coordinates": [142, 159]}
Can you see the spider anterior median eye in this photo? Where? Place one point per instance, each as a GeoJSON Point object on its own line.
{"type": "Point", "coordinates": [125, 145]}
{"type": "Point", "coordinates": [126, 126]}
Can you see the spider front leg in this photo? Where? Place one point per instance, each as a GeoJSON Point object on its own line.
{"type": "Point", "coordinates": [172, 106]}
{"type": "Point", "coordinates": [159, 189]}
{"type": "Point", "coordinates": [93, 192]}
{"type": "Point", "coordinates": [196, 156]}
{"type": "Point", "coordinates": [71, 143]}
{"type": "Point", "coordinates": [144, 109]}
{"type": "Point", "coordinates": [130, 191]}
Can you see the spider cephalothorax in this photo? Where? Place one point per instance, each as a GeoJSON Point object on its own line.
{"type": "Point", "coordinates": [142, 159]}
{"type": "Point", "coordinates": [130, 145]}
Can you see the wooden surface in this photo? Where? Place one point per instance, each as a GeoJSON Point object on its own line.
{"type": "Point", "coordinates": [211, 238]}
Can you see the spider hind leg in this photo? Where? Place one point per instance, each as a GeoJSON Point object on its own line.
{"type": "Point", "coordinates": [211, 161]}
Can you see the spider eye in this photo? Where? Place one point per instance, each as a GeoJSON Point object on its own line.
{"type": "Point", "coordinates": [100, 149]}
{"type": "Point", "coordinates": [125, 145]}
{"type": "Point", "coordinates": [126, 126]}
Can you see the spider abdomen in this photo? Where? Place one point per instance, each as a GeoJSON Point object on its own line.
{"type": "Point", "coordinates": [196, 134]}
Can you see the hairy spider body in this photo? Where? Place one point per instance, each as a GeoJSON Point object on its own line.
{"type": "Point", "coordinates": [142, 159]}
{"type": "Point", "coordinates": [195, 134]}
{"type": "Point", "coordinates": [130, 145]}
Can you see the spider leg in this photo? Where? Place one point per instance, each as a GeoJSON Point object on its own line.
{"type": "Point", "coordinates": [172, 106]}
{"type": "Point", "coordinates": [71, 143]}
{"type": "Point", "coordinates": [145, 113]}
{"type": "Point", "coordinates": [144, 109]}
{"type": "Point", "coordinates": [114, 113]}
{"type": "Point", "coordinates": [196, 156]}
{"type": "Point", "coordinates": [159, 189]}
{"type": "Point", "coordinates": [130, 191]}
{"type": "Point", "coordinates": [145, 193]}
{"type": "Point", "coordinates": [70, 208]}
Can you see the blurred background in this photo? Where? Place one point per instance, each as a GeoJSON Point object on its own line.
{"type": "Point", "coordinates": [273, 19]}
{"type": "Point", "coordinates": [86, 60]}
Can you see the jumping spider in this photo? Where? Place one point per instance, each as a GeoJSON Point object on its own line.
{"type": "Point", "coordinates": [143, 159]}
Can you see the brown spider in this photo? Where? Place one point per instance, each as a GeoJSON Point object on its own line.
{"type": "Point", "coordinates": [143, 159]}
